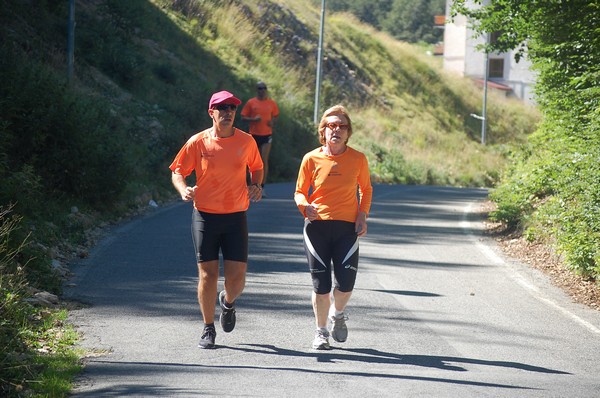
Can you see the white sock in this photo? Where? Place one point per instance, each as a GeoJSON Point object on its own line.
{"type": "Point", "coordinates": [334, 312]}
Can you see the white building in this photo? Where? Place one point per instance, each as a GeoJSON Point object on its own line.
{"type": "Point", "coordinates": [504, 73]}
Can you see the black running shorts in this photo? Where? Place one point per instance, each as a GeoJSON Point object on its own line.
{"type": "Point", "coordinates": [262, 139]}
{"type": "Point", "coordinates": [225, 232]}
{"type": "Point", "coordinates": [327, 242]}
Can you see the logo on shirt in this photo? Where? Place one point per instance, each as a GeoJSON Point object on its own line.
{"type": "Point", "coordinates": [332, 172]}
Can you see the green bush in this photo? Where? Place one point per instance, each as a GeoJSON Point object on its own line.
{"type": "Point", "coordinates": [578, 233]}
{"type": "Point", "coordinates": [553, 195]}
{"type": "Point", "coordinates": [16, 315]}
{"type": "Point", "coordinates": [389, 165]}
{"type": "Point", "coordinates": [62, 142]}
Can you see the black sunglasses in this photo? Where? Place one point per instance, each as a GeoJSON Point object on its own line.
{"type": "Point", "coordinates": [225, 107]}
{"type": "Point", "coordinates": [261, 88]}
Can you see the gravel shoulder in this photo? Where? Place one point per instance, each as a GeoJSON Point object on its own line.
{"type": "Point", "coordinates": [539, 256]}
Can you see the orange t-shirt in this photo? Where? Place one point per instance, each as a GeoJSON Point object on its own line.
{"type": "Point", "coordinates": [334, 181]}
{"type": "Point", "coordinates": [267, 109]}
{"type": "Point", "coordinates": [220, 167]}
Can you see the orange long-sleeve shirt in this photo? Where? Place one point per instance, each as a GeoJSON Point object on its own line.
{"type": "Point", "coordinates": [333, 181]}
{"type": "Point", "coordinates": [220, 167]}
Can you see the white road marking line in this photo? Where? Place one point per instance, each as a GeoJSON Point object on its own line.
{"type": "Point", "coordinates": [534, 291]}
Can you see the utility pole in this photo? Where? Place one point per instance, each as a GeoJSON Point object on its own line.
{"type": "Point", "coordinates": [71, 40]}
{"type": "Point", "coordinates": [483, 116]}
{"type": "Point", "coordinates": [319, 62]}
{"type": "Point", "coordinates": [485, 90]}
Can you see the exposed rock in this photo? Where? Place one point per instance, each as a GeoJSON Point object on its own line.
{"type": "Point", "coordinates": [43, 299]}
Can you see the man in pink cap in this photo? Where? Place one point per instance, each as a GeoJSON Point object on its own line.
{"type": "Point", "coordinates": [219, 156]}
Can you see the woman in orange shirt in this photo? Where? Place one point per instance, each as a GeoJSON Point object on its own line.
{"type": "Point", "coordinates": [335, 217]}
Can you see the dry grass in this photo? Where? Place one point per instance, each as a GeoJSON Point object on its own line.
{"type": "Point", "coordinates": [411, 105]}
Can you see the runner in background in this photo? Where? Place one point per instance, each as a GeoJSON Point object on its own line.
{"type": "Point", "coordinates": [261, 112]}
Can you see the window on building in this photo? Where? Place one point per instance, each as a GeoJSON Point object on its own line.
{"type": "Point", "coordinates": [496, 68]}
{"type": "Point", "coordinates": [494, 37]}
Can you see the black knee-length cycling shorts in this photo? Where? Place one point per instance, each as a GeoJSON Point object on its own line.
{"type": "Point", "coordinates": [327, 243]}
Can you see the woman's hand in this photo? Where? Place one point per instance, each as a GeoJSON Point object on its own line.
{"type": "Point", "coordinates": [360, 225]}
{"type": "Point", "coordinates": [311, 212]}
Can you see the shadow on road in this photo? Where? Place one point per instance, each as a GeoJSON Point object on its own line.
{"type": "Point", "coordinates": [364, 356]}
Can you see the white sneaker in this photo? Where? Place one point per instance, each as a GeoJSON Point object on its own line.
{"type": "Point", "coordinates": [321, 341]}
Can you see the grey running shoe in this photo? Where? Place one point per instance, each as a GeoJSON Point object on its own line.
{"type": "Point", "coordinates": [321, 341]}
{"type": "Point", "coordinates": [227, 318]}
{"type": "Point", "coordinates": [207, 340]}
{"type": "Point", "coordinates": [338, 328]}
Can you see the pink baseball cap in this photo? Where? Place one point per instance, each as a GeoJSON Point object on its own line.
{"type": "Point", "coordinates": [223, 97]}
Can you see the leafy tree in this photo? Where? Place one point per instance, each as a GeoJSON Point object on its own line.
{"type": "Point", "coordinates": [412, 20]}
{"type": "Point", "coordinates": [554, 189]}
{"type": "Point", "coordinates": [408, 20]}
{"type": "Point", "coordinates": [566, 54]}
{"type": "Point", "coordinates": [367, 11]}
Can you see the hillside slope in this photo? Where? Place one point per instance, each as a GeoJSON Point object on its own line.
{"type": "Point", "coordinates": [144, 71]}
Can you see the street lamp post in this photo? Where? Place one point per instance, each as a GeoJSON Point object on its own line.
{"type": "Point", "coordinates": [319, 62]}
{"type": "Point", "coordinates": [71, 40]}
{"type": "Point", "coordinates": [485, 91]}
{"type": "Point", "coordinates": [483, 116]}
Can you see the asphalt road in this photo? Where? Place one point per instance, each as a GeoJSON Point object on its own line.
{"type": "Point", "coordinates": [437, 311]}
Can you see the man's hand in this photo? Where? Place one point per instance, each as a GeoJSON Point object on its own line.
{"type": "Point", "coordinates": [186, 192]}
{"type": "Point", "coordinates": [254, 192]}
{"type": "Point", "coordinates": [189, 193]}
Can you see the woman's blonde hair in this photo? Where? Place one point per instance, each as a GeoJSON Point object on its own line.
{"type": "Point", "coordinates": [336, 110]}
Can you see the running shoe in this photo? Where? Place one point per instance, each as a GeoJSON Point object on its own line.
{"type": "Point", "coordinates": [338, 328]}
{"type": "Point", "coordinates": [321, 341]}
{"type": "Point", "coordinates": [227, 318]}
{"type": "Point", "coordinates": [207, 340]}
